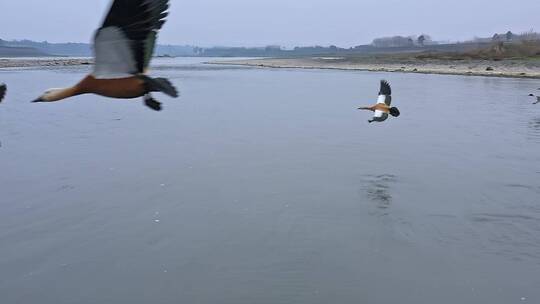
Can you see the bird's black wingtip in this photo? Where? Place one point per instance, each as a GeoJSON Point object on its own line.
{"type": "Point", "coordinates": [3, 89]}
{"type": "Point", "coordinates": [385, 88]}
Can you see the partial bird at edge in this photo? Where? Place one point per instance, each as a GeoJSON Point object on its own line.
{"type": "Point", "coordinates": [3, 90]}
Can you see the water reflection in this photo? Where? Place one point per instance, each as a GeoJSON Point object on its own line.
{"type": "Point", "coordinates": [511, 228]}
{"type": "Point", "coordinates": [534, 129]}
{"type": "Point", "coordinates": [378, 189]}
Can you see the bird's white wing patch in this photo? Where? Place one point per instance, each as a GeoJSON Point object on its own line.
{"type": "Point", "coordinates": [378, 113]}
{"type": "Point", "coordinates": [380, 116]}
{"type": "Point", "coordinates": [385, 99]}
{"type": "Point", "coordinates": [113, 55]}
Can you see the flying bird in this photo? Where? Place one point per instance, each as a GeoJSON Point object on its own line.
{"type": "Point", "coordinates": [3, 89]}
{"type": "Point", "coordinates": [123, 48]}
{"type": "Point", "coordinates": [382, 108]}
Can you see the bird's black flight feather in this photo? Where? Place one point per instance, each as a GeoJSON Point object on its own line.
{"type": "Point", "coordinates": [140, 20]}
{"type": "Point", "coordinates": [385, 88]}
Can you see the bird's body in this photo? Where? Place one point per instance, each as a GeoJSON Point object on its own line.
{"type": "Point", "coordinates": [3, 89]}
{"type": "Point", "coordinates": [132, 87]}
{"type": "Point", "coordinates": [123, 48]}
{"type": "Point", "coordinates": [383, 106]}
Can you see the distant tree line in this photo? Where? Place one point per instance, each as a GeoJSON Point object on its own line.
{"type": "Point", "coordinates": [508, 37]}
{"type": "Point", "coordinates": [85, 49]}
{"type": "Point", "coordinates": [401, 41]}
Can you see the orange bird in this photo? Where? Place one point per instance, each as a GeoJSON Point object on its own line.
{"type": "Point", "coordinates": [123, 48]}
{"type": "Point", "coordinates": [383, 106]}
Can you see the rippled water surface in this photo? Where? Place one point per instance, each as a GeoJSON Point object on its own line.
{"type": "Point", "coordinates": [267, 186]}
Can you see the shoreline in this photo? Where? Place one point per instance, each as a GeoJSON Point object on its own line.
{"type": "Point", "coordinates": [506, 68]}
{"type": "Point", "coordinates": [28, 62]}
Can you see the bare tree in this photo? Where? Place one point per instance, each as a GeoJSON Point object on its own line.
{"type": "Point", "coordinates": [421, 40]}
{"type": "Point", "coordinates": [531, 35]}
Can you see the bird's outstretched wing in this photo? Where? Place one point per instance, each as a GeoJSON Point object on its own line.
{"type": "Point", "coordinates": [3, 89]}
{"type": "Point", "coordinates": [385, 93]}
{"type": "Point", "coordinates": [379, 116]}
{"type": "Point", "coordinates": [385, 97]}
{"type": "Point", "coordinates": [124, 45]}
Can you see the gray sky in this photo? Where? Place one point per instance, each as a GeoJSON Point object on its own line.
{"type": "Point", "coordinates": [284, 22]}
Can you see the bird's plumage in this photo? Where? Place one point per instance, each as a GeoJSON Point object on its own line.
{"type": "Point", "coordinates": [385, 93]}
{"type": "Point", "coordinates": [125, 43]}
{"type": "Point", "coordinates": [123, 48]}
{"type": "Point", "coordinates": [385, 97]}
{"type": "Point", "coordinates": [385, 88]}
{"type": "Point", "coordinates": [3, 89]}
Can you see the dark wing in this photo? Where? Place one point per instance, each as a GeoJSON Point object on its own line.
{"type": "Point", "coordinates": [379, 116]}
{"type": "Point", "coordinates": [385, 88]}
{"type": "Point", "coordinates": [3, 89]}
{"type": "Point", "coordinates": [385, 93]}
{"type": "Point", "coordinates": [125, 43]}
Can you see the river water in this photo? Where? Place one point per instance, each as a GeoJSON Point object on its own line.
{"type": "Point", "coordinates": [267, 186]}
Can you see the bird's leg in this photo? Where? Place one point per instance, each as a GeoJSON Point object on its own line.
{"type": "Point", "coordinates": [150, 102]}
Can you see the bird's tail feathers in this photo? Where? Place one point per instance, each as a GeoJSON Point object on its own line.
{"type": "Point", "coordinates": [160, 85]}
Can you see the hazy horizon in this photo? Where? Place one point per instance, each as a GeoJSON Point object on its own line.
{"type": "Point", "coordinates": [344, 23]}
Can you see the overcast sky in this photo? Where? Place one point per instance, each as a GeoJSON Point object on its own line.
{"type": "Point", "coordinates": [284, 22]}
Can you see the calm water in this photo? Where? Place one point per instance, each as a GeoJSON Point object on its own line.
{"type": "Point", "coordinates": [267, 186]}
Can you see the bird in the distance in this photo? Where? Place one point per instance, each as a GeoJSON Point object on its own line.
{"type": "Point", "coordinates": [123, 48]}
{"type": "Point", "coordinates": [383, 106]}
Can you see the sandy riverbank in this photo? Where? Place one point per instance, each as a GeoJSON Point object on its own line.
{"type": "Point", "coordinates": [504, 68]}
{"type": "Point", "coordinates": [42, 62]}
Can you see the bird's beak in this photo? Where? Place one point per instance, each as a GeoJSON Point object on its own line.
{"type": "Point", "coordinates": [39, 99]}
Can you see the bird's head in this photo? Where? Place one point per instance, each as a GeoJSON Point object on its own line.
{"type": "Point", "coordinates": [49, 96]}
{"type": "Point", "coordinates": [394, 111]}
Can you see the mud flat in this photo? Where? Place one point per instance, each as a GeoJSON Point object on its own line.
{"type": "Point", "coordinates": [503, 68]}
{"type": "Point", "coordinates": [42, 62]}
